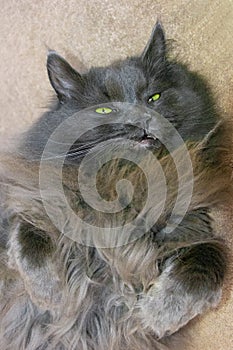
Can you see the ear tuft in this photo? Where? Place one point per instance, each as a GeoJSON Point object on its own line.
{"type": "Point", "coordinates": [65, 80]}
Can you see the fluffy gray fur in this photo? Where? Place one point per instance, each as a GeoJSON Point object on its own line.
{"type": "Point", "coordinates": [57, 294]}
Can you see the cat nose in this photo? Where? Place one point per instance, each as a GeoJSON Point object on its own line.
{"type": "Point", "coordinates": [138, 116]}
{"type": "Point", "coordinates": [142, 124]}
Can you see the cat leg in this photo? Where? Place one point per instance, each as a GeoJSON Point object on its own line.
{"type": "Point", "coordinates": [31, 254]}
{"type": "Point", "coordinates": [190, 283]}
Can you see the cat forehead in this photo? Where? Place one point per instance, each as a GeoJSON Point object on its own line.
{"type": "Point", "coordinates": [123, 73]}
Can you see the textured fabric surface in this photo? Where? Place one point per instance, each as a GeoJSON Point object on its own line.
{"type": "Point", "coordinates": [95, 33]}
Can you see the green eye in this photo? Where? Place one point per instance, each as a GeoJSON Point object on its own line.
{"type": "Point", "coordinates": [154, 98]}
{"type": "Point", "coordinates": [103, 110]}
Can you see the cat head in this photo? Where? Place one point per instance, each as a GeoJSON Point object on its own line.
{"type": "Point", "coordinates": [152, 80]}
{"type": "Point", "coordinates": [123, 81]}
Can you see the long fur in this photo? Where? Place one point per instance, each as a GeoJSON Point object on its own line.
{"type": "Point", "coordinates": [92, 297]}
{"type": "Point", "coordinates": [67, 289]}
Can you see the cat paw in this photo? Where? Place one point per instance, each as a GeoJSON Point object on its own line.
{"type": "Point", "coordinates": [44, 289]}
{"type": "Point", "coordinates": [168, 306]}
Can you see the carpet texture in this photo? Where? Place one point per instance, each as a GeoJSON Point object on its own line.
{"type": "Point", "coordinates": [96, 32]}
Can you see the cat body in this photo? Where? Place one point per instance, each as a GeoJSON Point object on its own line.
{"type": "Point", "coordinates": [58, 293]}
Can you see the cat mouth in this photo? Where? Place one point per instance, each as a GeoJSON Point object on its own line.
{"type": "Point", "coordinates": [149, 140]}
{"type": "Point", "coordinates": [79, 150]}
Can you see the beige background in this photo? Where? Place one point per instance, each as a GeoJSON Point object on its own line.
{"type": "Point", "coordinates": [95, 33]}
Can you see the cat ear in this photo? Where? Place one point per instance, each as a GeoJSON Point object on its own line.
{"type": "Point", "coordinates": [65, 80]}
{"type": "Point", "coordinates": [155, 50]}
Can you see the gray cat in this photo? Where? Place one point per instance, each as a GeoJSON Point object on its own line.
{"type": "Point", "coordinates": [58, 293]}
